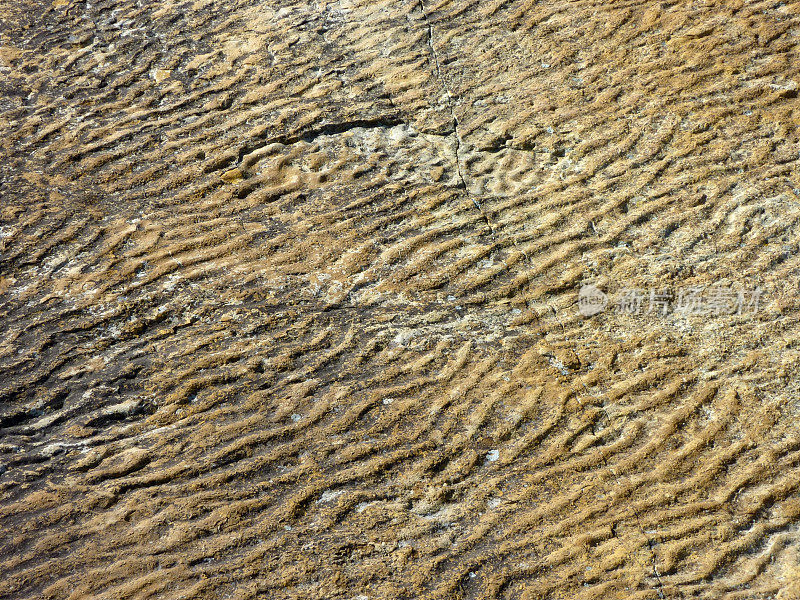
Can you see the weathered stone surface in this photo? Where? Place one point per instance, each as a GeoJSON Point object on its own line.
{"type": "Point", "coordinates": [289, 295]}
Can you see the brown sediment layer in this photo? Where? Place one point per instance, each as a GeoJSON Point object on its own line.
{"type": "Point", "coordinates": [289, 299]}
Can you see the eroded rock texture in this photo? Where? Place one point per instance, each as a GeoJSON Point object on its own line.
{"type": "Point", "coordinates": [289, 290]}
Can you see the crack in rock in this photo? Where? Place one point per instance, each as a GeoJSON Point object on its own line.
{"type": "Point", "coordinates": [313, 133]}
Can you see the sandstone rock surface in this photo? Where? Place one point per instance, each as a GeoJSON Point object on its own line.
{"type": "Point", "coordinates": [289, 295]}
